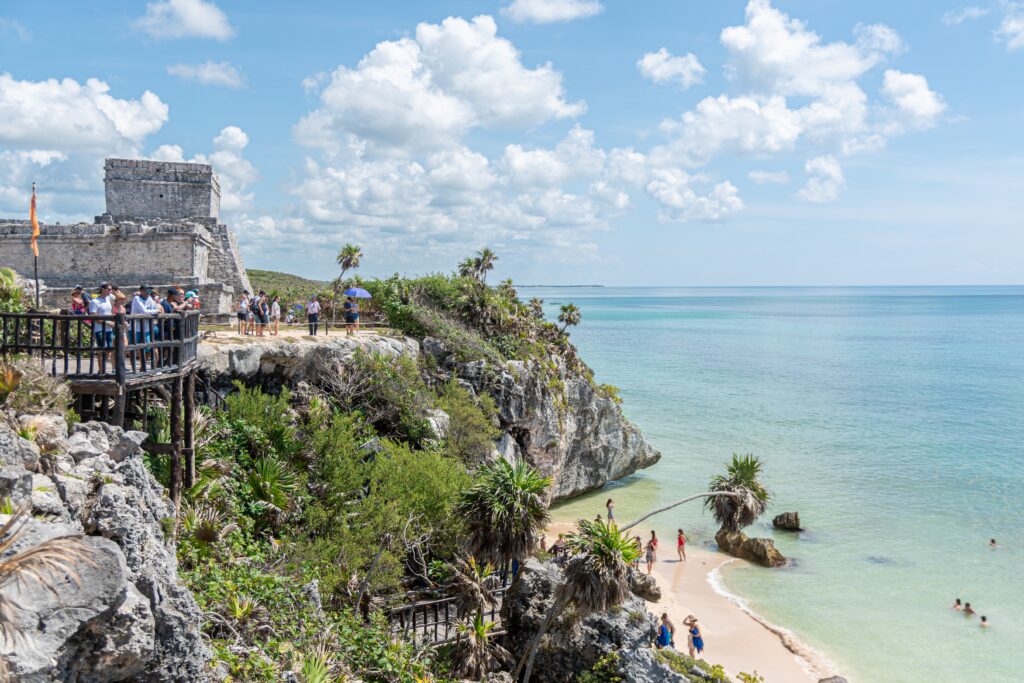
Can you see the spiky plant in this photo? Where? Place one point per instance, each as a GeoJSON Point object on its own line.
{"type": "Point", "coordinates": [272, 483]}
{"type": "Point", "coordinates": [570, 316]}
{"type": "Point", "coordinates": [205, 523]}
{"type": "Point", "coordinates": [41, 564]}
{"type": "Point", "coordinates": [750, 498]}
{"type": "Point", "coordinates": [505, 512]}
{"type": "Point", "coordinates": [476, 653]}
{"type": "Point", "coordinates": [472, 586]}
{"type": "Point", "coordinates": [242, 608]}
{"type": "Point", "coordinates": [596, 578]}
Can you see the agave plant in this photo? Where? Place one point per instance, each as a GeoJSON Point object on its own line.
{"type": "Point", "coordinates": [242, 608]}
{"type": "Point", "coordinates": [316, 666]}
{"type": "Point", "coordinates": [39, 564]}
{"type": "Point", "coordinates": [213, 480]}
{"type": "Point", "coordinates": [596, 578]}
{"type": "Point", "coordinates": [749, 498]}
{"type": "Point", "coordinates": [476, 653]}
{"type": "Point", "coordinates": [505, 511]}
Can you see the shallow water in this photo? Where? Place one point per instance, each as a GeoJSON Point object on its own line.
{"type": "Point", "coordinates": [891, 418]}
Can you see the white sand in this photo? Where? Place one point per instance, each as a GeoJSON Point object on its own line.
{"type": "Point", "coordinates": [733, 637]}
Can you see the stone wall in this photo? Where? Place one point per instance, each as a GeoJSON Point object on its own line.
{"type": "Point", "coordinates": [156, 189]}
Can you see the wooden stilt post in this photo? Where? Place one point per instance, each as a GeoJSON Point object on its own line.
{"type": "Point", "coordinates": [176, 439]}
{"type": "Point", "coordinates": [190, 429]}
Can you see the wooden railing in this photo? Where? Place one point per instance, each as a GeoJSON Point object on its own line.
{"type": "Point", "coordinates": [433, 622]}
{"type": "Point", "coordinates": [106, 348]}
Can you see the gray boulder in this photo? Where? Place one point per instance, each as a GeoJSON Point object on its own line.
{"type": "Point", "coordinates": [832, 679]}
{"type": "Point", "coordinates": [15, 450]}
{"type": "Point", "coordinates": [572, 646]}
{"type": "Point", "coordinates": [788, 521]}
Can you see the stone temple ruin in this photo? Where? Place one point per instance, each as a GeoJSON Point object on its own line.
{"type": "Point", "coordinates": [161, 228]}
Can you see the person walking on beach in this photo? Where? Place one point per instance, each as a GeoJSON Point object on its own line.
{"type": "Point", "coordinates": [681, 545]}
{"type": "Point", "coordinates": [958, 606]}
{"type": "Point", "coordinates": [968, 610]}
{"type": "Point", "coordinates": [695, 639]}
{"type": "Point", "coordinates": [313, 315]}
{"type": "Point", "coordinates": [654, 540]}
{"type": "Point", "coordinates": [652, 554]}
{"type": "Point", "coordinates": [610, 505]}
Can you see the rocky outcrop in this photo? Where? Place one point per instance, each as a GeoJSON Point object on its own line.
{"type": "Point", "coordinates": [788, 521]}
{"type": "Point", "coordinates": [125, 616]}
{"type": "Point", "coordinates": [559, 422]}
{"type": "Point", "coordinates": [760, 551]}
{"type": "Point", "coordinates": [833, 679]}
{"type": "Point", "coordinates": [573, 646]}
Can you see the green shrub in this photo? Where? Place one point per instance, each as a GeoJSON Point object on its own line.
{"type": "Point", "coordinates": [26, 387]}
{"type": "Point", "coordinates": [471, 425]}
{"type": "Point", "coordinates": [605, 670]}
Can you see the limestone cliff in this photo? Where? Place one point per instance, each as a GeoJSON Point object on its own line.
{"type": "Point", "coordinates": [558, 421]}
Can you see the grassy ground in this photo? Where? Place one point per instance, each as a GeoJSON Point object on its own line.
{"type": "Point", "coordinates": [270, 280]}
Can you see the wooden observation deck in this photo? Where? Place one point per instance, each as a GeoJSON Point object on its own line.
{"type": "Point", "coordinates": [115, 365]}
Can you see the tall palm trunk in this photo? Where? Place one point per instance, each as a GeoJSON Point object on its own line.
{"type": "Point", "coordinates": [531, 653]}
{"type": "Point", "coordinates": [708, 494]}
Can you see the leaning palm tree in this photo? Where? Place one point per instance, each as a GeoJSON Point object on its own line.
{"type": "Point", "coordinates": [505, 512]}
{"type": "Point", "coordinates": [349, 258]}
{"type": "Point", "coordinates": [475, 652]}
{"type": "Point", "coordinates": [596, 578]}
{"type": "Point", "coordinates": [40, 564]}
{"type": "Point", "coordinates": [750, 498]}
{"type": "Point", "coordinates": [569, 315]}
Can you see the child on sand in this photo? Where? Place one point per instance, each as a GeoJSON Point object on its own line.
{"type": "Point", "coordinates": [681, 545]}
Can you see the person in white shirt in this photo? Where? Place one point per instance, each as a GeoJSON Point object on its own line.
{"type": "Point", "coordinates": [275, 315]}
{"type": "Point", "coordinates": [143, 304]}
{"type": "Point", "coordinates": [103, 330]}
{"type": "Point", "coordinates": [313, 315]}
{"type": "Point", "coordinates": [243, 312]}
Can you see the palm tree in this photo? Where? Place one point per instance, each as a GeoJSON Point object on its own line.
{"type": "Point", "coordinates": [505, 512]}
{"type": "Point", "coordinates": [569, 316]}
{"type": "Point", "coordinates": [475, 654]}
{"type": "Point", "coordinates": [485, 259]}
{"type": "Point", "coordinates": [596, 578]}
{"type": "Point", "coordinates": [473, 586]}
{"type": "Point", "coordinates": [467, 267]}
{"type": "Point", "coordinates": [750, 497]}
{"type": "Point", "coordinates": [349, 258]}
{"type": "Point", "coordinates": [536, 307]}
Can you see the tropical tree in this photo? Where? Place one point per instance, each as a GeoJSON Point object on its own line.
{"type": "Point", "coordinates": [536, 307]}
{"type": "Point", "coordinates": [505, 512]}
{"type": "Point", "coordinates": [569, 315]}
{"type": "Point", "coordinates": [467, 267]}
{"type": "Point", "coordinates": [472, 586]}
{"type": "Point", "coordinates": [596, 578]}
{"type": "Point", "coordinates": [475, 652]}
{"type": "Point", "coordinates": [749, 498]}
{"type": "Point", "coordinates": [349, 258]}
{"type": "Point", "coordinates": [485, 259]}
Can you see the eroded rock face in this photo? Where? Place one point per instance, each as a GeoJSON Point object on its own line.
{"type": "Point", "coordinates": [790, 521]}
{"type": "Point", "coordinates": [760, 551]}
{"type": "Point", "coordinates": [126, 617]}
{"type": "Point", "coordinates": [559, 423]}
{"type": "Point", "coordinates": [573, 646]}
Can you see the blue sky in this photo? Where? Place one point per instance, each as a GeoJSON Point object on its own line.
{"type": "Point", "coordinates": [586, 141]}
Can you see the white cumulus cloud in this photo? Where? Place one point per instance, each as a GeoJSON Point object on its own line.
{"type": "Point", "coordinates": [681, 202]}
{"type": "Point", "coordinates": [663, 67]}
{"type": "Point", "coordinates": [824, 180]}
{"type": "Point", "coordinates": [185, 19]}
{"type": "Point", "coordinates": [915, 101]}
{"type": "Point", "coordinates": [209, 73]}
{"type": "Point", "coordinates": [769, 177]}
{"type": "Point", "coordinates": [1011, 28]}
{"type": "Point", "coordinates": [549, 11]}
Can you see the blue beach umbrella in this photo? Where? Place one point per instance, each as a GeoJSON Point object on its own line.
{"type": "Point", "coordinates": [358, 292]}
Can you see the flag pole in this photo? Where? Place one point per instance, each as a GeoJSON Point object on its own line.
{"type": "Point", "coordinates": [35, 251]}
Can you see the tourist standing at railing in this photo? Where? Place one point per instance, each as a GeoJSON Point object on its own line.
{"type": "Point", "coordinates": [120, 308]}
{"type": "Point", "coordinates": [143, 304]}
{"type": "Point", "coordinates": [79, 306]}
{"type": "Point", "coordinates": [172, 328]}
{"type": "Point", "coordinates": [313, 314]}
{"type": "Point", "coordinates": [103, 330]}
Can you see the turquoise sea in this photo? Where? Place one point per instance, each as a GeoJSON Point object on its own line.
{"type": "Point", "coordinates": [892, 419]}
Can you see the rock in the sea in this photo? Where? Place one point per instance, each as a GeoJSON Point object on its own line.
{"type": "Point", "coordinates": [571, 646]}
{"type": "Point", "coordinates": [790, 521]}
{"type": "Point", "coordinates": [760, 551]}
{"type": "Point", "coordinates": [127, 617]}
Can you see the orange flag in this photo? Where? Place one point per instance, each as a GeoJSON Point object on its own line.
{"type": "Point", "coordinates": [35, 222]}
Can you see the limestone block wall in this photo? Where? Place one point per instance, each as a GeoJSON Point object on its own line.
{"type": "Point", "coordinates": [225, 263]}
{"type": "Point", "coordinates": [156, 189]}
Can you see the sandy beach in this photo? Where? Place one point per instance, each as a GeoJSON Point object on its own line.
{"type": "Point", "coordinates": [733, 637]}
